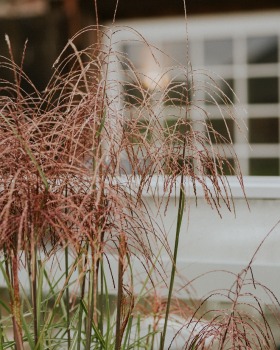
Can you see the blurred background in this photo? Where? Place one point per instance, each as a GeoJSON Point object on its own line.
{"type": "Point", "coordinates": [253, 53]}
{"type": "Point", "coordinates": [47, 24]}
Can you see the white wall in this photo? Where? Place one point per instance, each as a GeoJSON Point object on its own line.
{"type": "Point", "coordinates": [209, 243]}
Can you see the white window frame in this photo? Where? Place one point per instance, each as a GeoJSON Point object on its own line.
{"type": "Point", "coordinates": [197, 29]}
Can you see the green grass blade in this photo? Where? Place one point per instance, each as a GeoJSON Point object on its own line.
{"type": "Point", "coordinates": [127, 333]}
{"type": "Point", "coordinates": [96, 330]}
{"type": "Point", "coordinates": [174, 264]}
{"type": "Point", "coordinates": [28, 333]}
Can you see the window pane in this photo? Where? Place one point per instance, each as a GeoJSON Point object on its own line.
{"type": "Point", "coordinates": [263, 130]}
{"type": "Point", "coordinates": [177, 128]}
{"type": "Point", "coordinates": [263, 90]}
{"type": "Point", "coordinates": [178, 93]}
{"type": "Point", "coordinates": [218, 52]}
{"type": "Point", "coordinates": [227, 167]}
{"type": "Point", "coordinates": [263, 49]}
{"type": "Point", "coordinates": [176, 50]}
{"type": "Point", "coordinates": [220, 92]}
{"type": "Point", "coordinates": [134, 94]}
{"type": "Point", "coordinates": [221, 131]}
{"type": "Point", "coordinates": [223, 167]}
{"type": "Point", "coordinates": [138, 131]}
{"type": "Point", "coordinates": [264, 166]}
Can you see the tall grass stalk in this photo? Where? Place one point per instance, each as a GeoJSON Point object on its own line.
{"type": "Point", "coordinates": [181, 206]}
{"type": "Point", "coordinates": [82, 264]}
{"type": "Point", "coordinates": [67, 297]}
{"type": "Point", "coordinates": [122, 254]}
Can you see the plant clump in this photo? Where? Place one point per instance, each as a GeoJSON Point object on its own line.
{"type": "Point", "coordinates": [76, 162]}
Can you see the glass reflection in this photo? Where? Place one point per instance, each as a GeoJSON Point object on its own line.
{"type": "Point", "coordinates": [263, 90]}
{"type": "Point", "coordinates": [220, 92]}
{"type": "Point", "coordinates": [262, 49]}
{"type": "Point", "coordinates": [218, 52]}
{"type": "Point", "coordinates": [178, 93]}
{"type": "Point", "coordinates": [264, 166]}
{"type": "Point", "coordinates": [221, 130]}
{"type": "Point", "coordinates": [264, 130]}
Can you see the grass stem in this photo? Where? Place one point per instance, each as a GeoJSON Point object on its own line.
{"type": "Point", "coordinates": [174, 262]}
{"type": "Point", "coordinates": [67, 298]}
{"type": "Point", "coordinates": [122, 255]}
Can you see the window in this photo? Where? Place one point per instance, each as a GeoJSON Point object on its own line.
{"type": "Point", "coordinates": [241, 53]}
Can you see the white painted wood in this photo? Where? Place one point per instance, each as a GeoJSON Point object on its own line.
{"type": "Point", "coordinates": [209, 243]}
